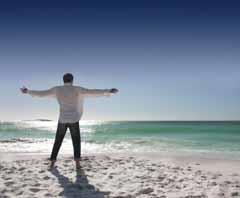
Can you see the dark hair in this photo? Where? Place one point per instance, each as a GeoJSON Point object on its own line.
{"type": "Point", "coordinates": [68, 78]}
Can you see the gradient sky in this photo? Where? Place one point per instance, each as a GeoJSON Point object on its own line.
{"type": "Point", "coordinates": [171, 60]}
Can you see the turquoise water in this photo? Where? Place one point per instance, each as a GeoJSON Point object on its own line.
{"type": "Point", "coordinates": [137, 136]}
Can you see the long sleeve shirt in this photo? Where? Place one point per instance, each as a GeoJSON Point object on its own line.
{"type": "Point", "coordinates": [70, 99]}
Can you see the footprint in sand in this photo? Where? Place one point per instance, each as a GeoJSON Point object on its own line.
{"type": "Point", "coordinates": [3, 191]}
{"type": "Point", "coordinates": [20, 193]}
{"type": "Point", "coordinates": [9, 183]}
{"type": "Point", "coordinates": [37, 184]}
{"type": "Point", "coordinates": [21, 169]}
{"type": "Point", "coordinates": [146, 191]}
{"type": "Point", "coordinates": [46, 163]}
{"type": "Point", "coordinates": [34, 190]}
{"type": "Point", "coordinates": [46, 178]}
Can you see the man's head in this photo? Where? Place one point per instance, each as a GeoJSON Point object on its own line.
{"type": "Point", "coordinates": [68, 78]}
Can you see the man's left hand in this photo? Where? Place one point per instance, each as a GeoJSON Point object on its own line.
{"type": "Point", "coordinates": [24, 90]}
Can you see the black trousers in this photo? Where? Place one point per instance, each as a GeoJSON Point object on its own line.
{"type": "Point", "coordinates": [76, 139]}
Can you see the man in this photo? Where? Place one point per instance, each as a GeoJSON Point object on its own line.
{"type": "Point", "coordinates": [70, 99]}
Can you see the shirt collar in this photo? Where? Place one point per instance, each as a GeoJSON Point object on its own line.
{"type": "Point", "coordinates": [67, 84]}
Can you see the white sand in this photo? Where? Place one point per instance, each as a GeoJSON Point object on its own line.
{"type": "Point", "coordinates": [119, 176]}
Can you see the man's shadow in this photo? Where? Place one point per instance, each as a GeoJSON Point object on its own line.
{"type": "Point", "coordinates": [81, 187]}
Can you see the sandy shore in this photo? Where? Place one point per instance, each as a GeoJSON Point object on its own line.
{"type": "Point", "coordinates": [119, 176]}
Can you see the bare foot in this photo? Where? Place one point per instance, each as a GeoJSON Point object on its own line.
{"type": "Point", "coordinates": [52, 165]}
{"type": "Point", "coordinates": [78, 164]}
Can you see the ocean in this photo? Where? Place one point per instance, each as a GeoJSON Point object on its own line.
{"type": "Point", "coordinates": [209, 138]}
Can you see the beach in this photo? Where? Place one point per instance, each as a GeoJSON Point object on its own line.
{"type": "Point", "coordinates": [118, 175]}
{"type": "Point", "coordinates": [142, 159]}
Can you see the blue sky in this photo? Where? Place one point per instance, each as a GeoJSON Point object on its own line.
{"type": "Point", "coordinates": [171, 61]}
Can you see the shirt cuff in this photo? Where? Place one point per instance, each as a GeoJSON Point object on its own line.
{"type": "Point", "coordinates": [107, 93]}
{"type": "Point", "coordinates": [29, 92]}
{"type": "Point", "coordinates": [32, 93]}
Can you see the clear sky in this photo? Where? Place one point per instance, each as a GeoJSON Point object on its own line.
{"type": "Point", "coordinates": [171, 60]}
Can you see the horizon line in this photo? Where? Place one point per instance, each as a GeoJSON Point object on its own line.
{"type": "Point", "coordinates": [130, 120]}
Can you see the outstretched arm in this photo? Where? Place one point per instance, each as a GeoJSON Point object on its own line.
{"type": "Point", "coordinates": [97, 92]}
{"type": "Point", "coordinates": [44, 93]}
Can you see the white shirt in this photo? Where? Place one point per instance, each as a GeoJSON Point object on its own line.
{"type": "Point", "coordinates": [70, 99]}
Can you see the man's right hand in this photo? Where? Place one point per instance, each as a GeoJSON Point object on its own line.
{"type": "Point", "coordinates": [24, 90]}
{"type": "Point", "coordinates": [113, 90]}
